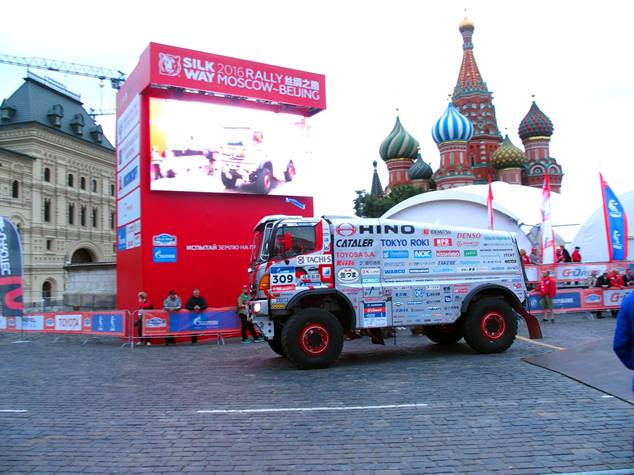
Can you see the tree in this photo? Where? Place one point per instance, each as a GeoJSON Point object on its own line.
{"type": "Point", "coordinates": [374, 206]}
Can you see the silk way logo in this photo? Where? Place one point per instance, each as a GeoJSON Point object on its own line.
{"type": "Point", "coordinates": [346, 229]}
{"type": "Point", "coordinates": [614, 210]}
{"type": "Point", "coordinates": [169, 64]}
{"type": "Point", "coordinates": [616, 240]}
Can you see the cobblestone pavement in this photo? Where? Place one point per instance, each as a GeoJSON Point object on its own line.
{"type": "Point", "coordinates": [100, 408]}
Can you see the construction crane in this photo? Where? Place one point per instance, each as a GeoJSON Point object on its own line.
{"type": "Point", "coordinates": [116, 77]}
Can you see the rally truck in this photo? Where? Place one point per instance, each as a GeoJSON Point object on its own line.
{"type": "Point", "coordinates": [244, 158]}
{"type": "Point", "coordinates": [316, 280]}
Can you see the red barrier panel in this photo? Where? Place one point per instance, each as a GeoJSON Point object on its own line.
{"type": "Point", "coordinates": [112, 323]}
{"type": "Point", "coordinates": [215, 321]}
{"type": "Point", "coordinates": [582, 300]}
{"type": "Point", "coordinates": [574, 272]}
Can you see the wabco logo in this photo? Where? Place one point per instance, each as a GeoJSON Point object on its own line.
{"type": "Point", "coordinates": [169, 64]}
{"type": "Point", "coordinates": [346, 229]}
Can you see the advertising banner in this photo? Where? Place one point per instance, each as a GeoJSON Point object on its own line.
{"type": "Point", "coordinates": [158, 322]}
{"type": "Point", "coordinates": [86, 323]}
{"type": "Point", "coordinates": [615, 223]}
{"type": "Point", "coordinates": [10, 269]}
{"type": "Point", "coordinates": [129, 208]}
{"type": "Point", "coordinates": [575, 272]}
{"type": "Point", "coordinates": [209, 72]}
{"type": "Point", "coordinates": [581, 300]}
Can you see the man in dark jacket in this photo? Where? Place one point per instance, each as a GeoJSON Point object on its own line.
{"type": "Point", "coordinates": [624, 333]}
{"type": "Point", "coordinates": [196, 304]}
{"type": "Point", "coordinates": [603, 281]}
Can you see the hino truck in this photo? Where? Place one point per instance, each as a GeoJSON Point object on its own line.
{"type": "Point", "coordinates": [315, 280]}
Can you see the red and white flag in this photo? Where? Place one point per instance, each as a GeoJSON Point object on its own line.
{"type": "Point", "coordinates": [547, 234]}
{"type": "Point", "coordinates": [490, 206]}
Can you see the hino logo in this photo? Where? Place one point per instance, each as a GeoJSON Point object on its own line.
{"type": "Point", "coordinates": [346, 229]}
{"type": "Point", "coordinates": [386, 229]}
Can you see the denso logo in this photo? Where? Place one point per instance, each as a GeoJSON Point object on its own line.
{"type": "Point", "coordinates": [442, 242]}
{"type": "Point", "coordinates": [468, 236]}
{"type": "Point", "coordinates": [345, 229]}
{"type": "Point", "coordinates": [169, 64]}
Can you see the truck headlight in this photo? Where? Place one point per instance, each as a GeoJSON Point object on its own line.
{"type": "Point", "coordinates": [257, 307]}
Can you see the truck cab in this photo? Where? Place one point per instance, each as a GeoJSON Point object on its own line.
{"type": "Point", "coordinates": [314, 280]}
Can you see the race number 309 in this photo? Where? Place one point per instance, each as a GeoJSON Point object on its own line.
{"type": "Point", "coordinates": [283, 276]}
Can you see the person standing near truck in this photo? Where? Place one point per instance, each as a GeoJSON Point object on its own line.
{"type": "Point", "coordinates": [246, 323]}
{"type": "Point", "coordinates": [547, 289]}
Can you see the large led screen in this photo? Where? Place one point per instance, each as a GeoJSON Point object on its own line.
{"type": "Point", "coordinates": [214, 148]}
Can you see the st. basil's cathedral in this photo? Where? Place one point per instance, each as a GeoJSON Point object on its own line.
{"type": "Point", "coordinates": [472, 150]}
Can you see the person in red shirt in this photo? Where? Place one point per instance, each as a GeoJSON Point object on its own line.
{"type": "Point", "coordinates": [547, 290]}
{"type": "Point", "coordinates": [525, 258]}
{"type": "Point", "coordinates": [576, 254]}
{"type": "Point", "coordinates": [616, 281]}
{"type": "Point", "coordinates": [144, 304]}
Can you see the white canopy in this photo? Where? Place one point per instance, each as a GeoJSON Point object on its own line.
{"type": "Point", "coordinates": [516, 209]}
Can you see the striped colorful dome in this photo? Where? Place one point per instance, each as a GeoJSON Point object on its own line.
{"type": "Point", "coordinates": [508, 155]}
{"type": "Point", "coordinates": [420, 170]}
{"type": "Point", "coordinates": [535, 124]}
{"type": "Point", "coordinates": [452, 126]}
{"type": "Point", "coordinates": [398, 144]}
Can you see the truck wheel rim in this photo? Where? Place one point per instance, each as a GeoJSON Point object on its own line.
{"type": "Point", "coordinates": [493, 326]}
{"type": "Point", "coordinates": [314, 339]}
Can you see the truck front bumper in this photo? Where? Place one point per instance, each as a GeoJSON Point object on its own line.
{"type": "Point", "coordinates": [259, 309]}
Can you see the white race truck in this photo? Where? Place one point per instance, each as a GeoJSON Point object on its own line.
{"type": "Point", "coordinates": [314, 280]}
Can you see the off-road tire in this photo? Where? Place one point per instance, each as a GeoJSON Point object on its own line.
{"type": "Point", "coordinates": [490, 325]}
{"type": "Point", "coordinates": [229, 182]}
{"type": "Point", "coordinates": [312, 338]}
{"type": "Point", "coordinates": [289, 174]}
{"type": "Point", "coordinates": [264, 182]}
{"type": "Point", "coordinates": [444, 334]}
{"type": "Point", "coordinates": [275, 343]}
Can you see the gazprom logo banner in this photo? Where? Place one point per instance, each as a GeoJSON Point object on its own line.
{"type": "Point", "coordinates": [615, 223]}
{"type": "Point", "coordinates": [10, 270]}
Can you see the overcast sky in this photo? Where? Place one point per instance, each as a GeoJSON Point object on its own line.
{"type": "Point", "coordinates": [377, 56]}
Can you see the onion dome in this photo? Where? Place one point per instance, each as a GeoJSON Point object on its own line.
{"type": "Point", "coordinates": [452, 126]}
{"type": "Point", "coordinates": [420, 170]}
{"type": "Point", "coordinates": [535, 124]}
{"type": "Point", "coordinates": [466, 24]}
{"type": "Point", "coordinates": [399, 144]}
{"type": "Point", "coordinates": [508, 155]}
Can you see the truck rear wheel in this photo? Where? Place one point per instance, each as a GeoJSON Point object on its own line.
{"type": "Point", "coordinates": [312, 338]}
{"type": "Point", "coordinates": [228, 181]}
{"type": "Point", "coordinates": [490, 325]}
{"type": "Point", "coordinates": [444, 334]}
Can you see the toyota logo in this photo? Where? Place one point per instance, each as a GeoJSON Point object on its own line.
{"type": "Point", "coordinates": [346, 229]}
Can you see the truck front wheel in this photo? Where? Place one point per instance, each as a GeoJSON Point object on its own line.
{"type": "Point", "coordinates": [444, 334]}
{"type": "Point", "coordinates": [490, 325]}
{"type": "Point", "coordinates": [312, 338]}
{"type": "Point", "coordinates": [264, 182]}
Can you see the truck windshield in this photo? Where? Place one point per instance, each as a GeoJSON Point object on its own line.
{"type": "Point", "coordinates": [300, 238]}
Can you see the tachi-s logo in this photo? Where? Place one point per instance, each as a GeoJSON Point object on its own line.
{"type": "Point", "coordinates": [169, 64]}
{"type": "Point", "coordinates": [346, 229]}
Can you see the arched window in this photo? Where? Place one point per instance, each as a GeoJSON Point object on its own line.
{"type": "Point", "coordinates": [82, 216]}
{"type": "Point", "coordinates": [94, 217]}
{"type": "Point", "coordinates": [47, 292]}
{"type": "Point", "coordinates": [71, 213]}
{"type": "Point", "coordinates": [82, 183]}
{"type": "Point", "coordinates": [15, 189]}
{"type": "Point", "coordinates": [82, 256]}
{"type": "Point", "coordinates": [93, 186]}
{"type": "Point", "coordinates": [47, 175]}
{"type": "Point", "coordinates": [70, 180]}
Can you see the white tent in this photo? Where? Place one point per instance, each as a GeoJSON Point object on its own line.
{"type": "Point", "coordinates": [592, 239]}
{"type": "Point", "coordinates": [516, 209]}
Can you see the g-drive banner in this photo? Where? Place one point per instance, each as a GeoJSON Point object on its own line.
{"type": "Point", "coordinates": [10, 270]}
